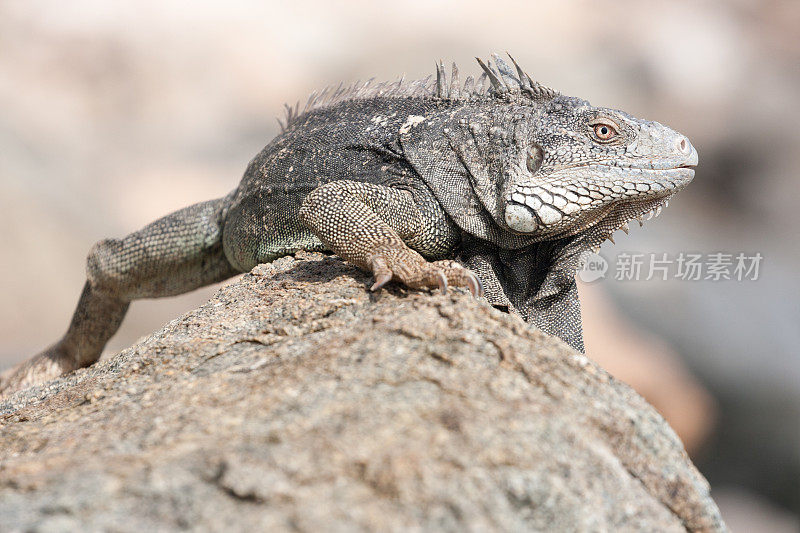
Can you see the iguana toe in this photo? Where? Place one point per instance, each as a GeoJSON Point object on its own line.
{"type": "Point", "coordinates": [414, 272]}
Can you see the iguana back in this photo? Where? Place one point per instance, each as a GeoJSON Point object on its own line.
{"type": "Point", "coordinates": [355, 140]}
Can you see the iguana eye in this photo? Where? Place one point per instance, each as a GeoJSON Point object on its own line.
{"type": "Point", "coordinates": [604, 131]}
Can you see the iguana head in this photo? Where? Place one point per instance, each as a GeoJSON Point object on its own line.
{"type": "Point", "coordinates": [572, 167]}
{"type": "Point", "coordinates": [540, 165]}
{"type": "Point", "coordinates": [592, 167]}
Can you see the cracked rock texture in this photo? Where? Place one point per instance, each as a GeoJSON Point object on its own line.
{"type": "Point", "coordinates": [297, 400]}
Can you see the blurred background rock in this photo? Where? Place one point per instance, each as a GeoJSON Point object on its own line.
{"type": "Point", "coordinates": [113, 114]}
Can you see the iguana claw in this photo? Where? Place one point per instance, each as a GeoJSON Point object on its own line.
{"type": "Point", "coordinates": [381, 280]}
{"type": "Point", "coordinates": [442, 279]}
{"type": "Point", "coordinates": [474, 284]}
{"type": "Point", "coordinates": [383, 274]}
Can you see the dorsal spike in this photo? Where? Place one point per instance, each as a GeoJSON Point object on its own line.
{"type": "Point", "coordinates": [480, 85]}
{"type": "Point", "coordinates": [339, 90]}
{"type": "Point", "coordinates": [428, 84]}
{"type": "Point", "coordinates": [381, 88]}
{"type": "Point", "coordinates": [469, 86]}
{"type": "Point", "coordinates": [311, 100]}
{"type": "Point", "coordinates": [506, 74]}
{"type": "Point", "coordinates": [497, 83]}
{"type": "Point", "coordinates": [455, 83]}
{"type": "Point", "coordinates": [423, 87]}
{"type": "Point", "coordinates": [523, 78]}
{"type": "Point", "coordinates": [544, 92]}
{"type": "Point", "coordinates": [364, 89]}
{"type": "Point", "coordinates": [530, 81]}
{"type": "Point", "coordinates": [441, 80]}
{"type": "Point", "coordinates": [539, 91]}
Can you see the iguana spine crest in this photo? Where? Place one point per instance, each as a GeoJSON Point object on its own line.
{"type": "Point", "coordinates": [504, 84]}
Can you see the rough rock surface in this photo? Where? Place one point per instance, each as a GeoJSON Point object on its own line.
{"type": "Point", "coordinates": [297, 400]}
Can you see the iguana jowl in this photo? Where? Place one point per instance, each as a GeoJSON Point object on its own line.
{"type": "Point", "coordinates": [499, 184]}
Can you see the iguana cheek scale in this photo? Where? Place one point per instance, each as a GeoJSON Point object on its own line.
{"type": "Point", "coordinates": [499, 184]}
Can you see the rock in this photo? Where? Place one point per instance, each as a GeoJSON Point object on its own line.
{"type": "Point", "coordinates": [296, 399]}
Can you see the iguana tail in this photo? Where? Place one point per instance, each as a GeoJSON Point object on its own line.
{"type": "Point", "coordinates": [175, 254]}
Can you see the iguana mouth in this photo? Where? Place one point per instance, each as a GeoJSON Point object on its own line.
{"type": "Point", "coordinates": [623, 213]}
{"type": "Point", "coordinates": [620, 214]}
{"type": "Point", "coordinates": [645, 191]}
{"type": "Point", "coordinates": [617, 215]}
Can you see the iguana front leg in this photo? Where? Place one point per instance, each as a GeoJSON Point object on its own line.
{"type": "Point", "coordinates": [372, 226]}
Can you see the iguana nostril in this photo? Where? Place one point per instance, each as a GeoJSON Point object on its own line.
{"type": "Point", "coordinates": [683, 145]}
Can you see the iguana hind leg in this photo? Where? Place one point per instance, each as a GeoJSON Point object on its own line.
{"type": "Point", "coordinates": [372, 226]}
{"type": "Point", "coordinates": [173, 255]}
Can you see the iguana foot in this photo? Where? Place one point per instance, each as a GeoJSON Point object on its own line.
{"type": "Point", "coordinates": [50, 364]}
{"type": "Point", "coordinates": [413, 271]}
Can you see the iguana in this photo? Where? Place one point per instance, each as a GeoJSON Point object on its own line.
{"type": "Point", "coordinates": [500, 185]}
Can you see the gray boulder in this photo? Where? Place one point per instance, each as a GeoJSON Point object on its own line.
{"type": "Point", "coordinates": [297, 400]}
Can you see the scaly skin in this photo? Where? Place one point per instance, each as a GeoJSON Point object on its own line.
{"type": "Point", "coordinates": [501, 187]}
